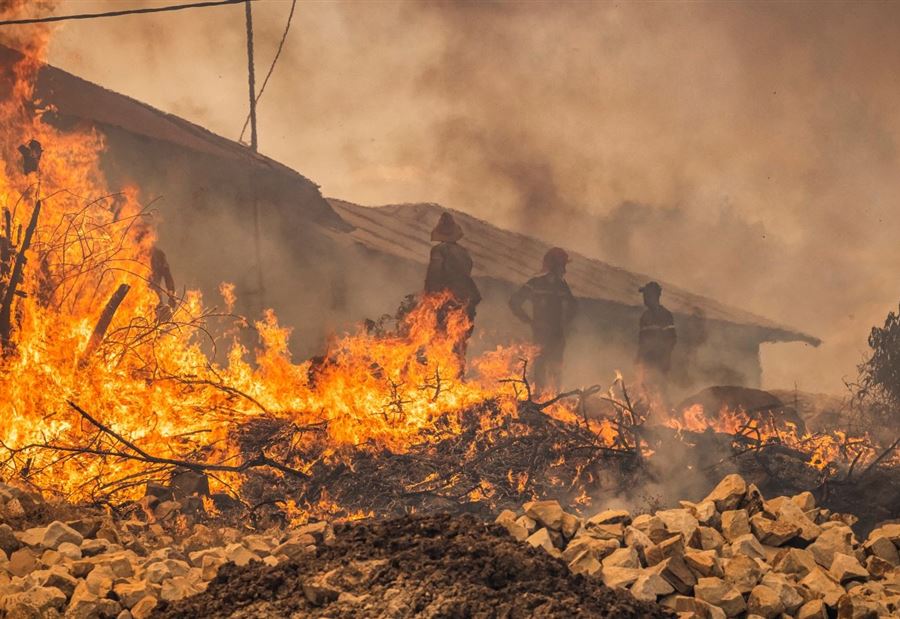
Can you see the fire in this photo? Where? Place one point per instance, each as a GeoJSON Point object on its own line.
{"type": "Point", "coordinates": [146, 383]}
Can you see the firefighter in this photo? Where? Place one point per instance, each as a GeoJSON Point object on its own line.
{"type": "Point", "coordinates": [160, 274]}
{"type": "Point", "coordinates": [656, 341]}
{"type": "Point", "coordinates": [450, 270]}
{"type": "Point", "coordinates": [553, 307]}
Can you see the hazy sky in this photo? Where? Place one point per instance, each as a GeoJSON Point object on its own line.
{"type": "Point", "coordinates": [747, 151]}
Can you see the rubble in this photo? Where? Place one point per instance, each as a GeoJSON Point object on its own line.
{"type": "Point", "coordinates": [736, 554]}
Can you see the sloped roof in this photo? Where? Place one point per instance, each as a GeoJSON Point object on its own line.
{"type": "Point", "coordinates": [80, 99]}
{"type": "Point", "coordinates": [403, 230]}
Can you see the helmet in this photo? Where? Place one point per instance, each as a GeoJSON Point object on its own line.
{"type": "Point", "coordinates": [555, 259]}
{"type": "Point", "coordinates": [446, 229]}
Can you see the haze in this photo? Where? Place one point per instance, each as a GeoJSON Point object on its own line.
{"type": "Point", "coordinates": [744, 151]}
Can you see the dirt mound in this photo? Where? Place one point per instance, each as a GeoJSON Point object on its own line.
{"type": "Point", "coordinates": [434, 566]}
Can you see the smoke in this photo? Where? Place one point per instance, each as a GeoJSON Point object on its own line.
{"type": "Point", "coordinates": [744, 151]}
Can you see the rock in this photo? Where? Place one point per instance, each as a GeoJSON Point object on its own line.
{"type": "Point", "coordinates": [703, 563]}
{"type": "Point", "coordinates": [239, 555]}
{"type": "Point", "coordinates": [708, 538]}
{"type": "Point", "coordinates": [120, 563]}
{"type": "Point", "coordinates": [58, 578]}
{"type": "Point", "coordinates": [793, 515]}
{"type": "Point", "coordinates": [677, 573]}
{"type": "Point", "coordinates": [132, 591]}
{"type": "Point", "coordinates": [814, 609]}
{"type": "Point", "coordinates": [805, 501]}
{"type": "Point", "coordinates": [296, 548]}
{"type": "Point", "coordinates": [50, 557]}
{"type": "Point", "coordinates": [717, 592]}
{"type": "Point", "coordinates": [679, 521]}
{"type": "Point", "coordinates": [8, 541]}
{"type": "Point", "coordinates": [86, 527]}
{"type": "Point", "coordinates": [652, 527]}
{"type": "Point", "coordinates": [570, 525]}
{"type": "Point", "coordinates": [319, 594]}
{"type": "Point", "coordinates": [606, 531]}
{"type": "Point", "coordinates": [765, 602]}
{"type": "Point", "coordinates": [158, 571]}
{"type": "Point", "coordinates": [673, 546]}
{"type": "Point", "coordinates": [108, 533]}
{"type": "Point", "coordinates": [210, 565]}
{"type": "Point", "coordinates": [796, 561]}
{"type": "Point", "coordinates": [735, 523]}
{"type": "Point", "coordinates": [823, 586]}
{"type": "Point", "coordinates": [878, 567]}
{"type": "Point", "coordinates": [749, 546]}
{"type": "Point", "coordinates": [753, 501]}
{"type": "Point", "coordinates": [69, 551]}
{"type": "Point", "coordinates": [144, 607]}
{"type": "Point", "coordinates": [619, 576]}
{"type": "Point", "coordinates": [845, 568]}
{"type": "Point", "coordinates": [742, 572]}
{"type": "Point", "coordinates": [37, 603]}
{"type": "Point", "coordinates": [788, 593]}
{"type": "Point", "coordinates": [585, 562]}
{"type": "Point", "coordinates": [518, 532]}
{"type": "Point", "coordinates": [882, 547]}
{"type": "Point", "coordinates": [58, 532]}
{"type": "Point", "coordinates": [94, 547]}
{"type": "Point", "coordinates": [31, 537]}
{"type": "Point", "coordinates": [167, 509]}
{"type": "Point", "coordinates": [178, 588]}
{"type": "Point", "coordinates": [623, 557]}
{"type": "Point", "coordinates": [729, 493]}
{"type": "Point", "coordinates": [506, 516]}
{"type": "Point", "coordinates": [704, 511]}
{"type": "Point", "coordinates": [773, 532]}
{"type": "Point", "coordinates": [527, 523]}
{"type": "Point", "coordinates": [637, 539]}
{"type": "Point", "coordinates": [832, 540]}
{"type": "Point", "coordinates": [541, 539]}
{"type": "Point", "coordinates": [87, 605]}
{"type": "Point", "coordinates": [694, 608]}
{"type": "Point", "coordinates": [547, 513]}
{"type": "Point", "coordinates": [22, 562]}
{"type": "Point", "coordinates": [99, 581]}
{"type": "Point", "coordinates": [599, 548]}
{"type": "Point", "coordinates": [650, 585]}
{"type": "Point", "coordinates": [610, 516]}
{"type": "Point", "coordinates": [890, 531]}
{"type": "Point", "coordinates": [856, 607]}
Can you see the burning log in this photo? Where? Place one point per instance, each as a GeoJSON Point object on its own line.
{"type": "Point", "coordinates": [15, 280]}
{"type": "Point", "coordinates": [103, 323]}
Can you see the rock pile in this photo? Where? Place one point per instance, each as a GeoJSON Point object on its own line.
{"type": "Point", "coordinates": [732, 554]}
{"type": "Point", "coordinates": [96, 566]}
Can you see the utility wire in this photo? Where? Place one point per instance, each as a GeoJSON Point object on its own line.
{"type": "Point", "coordinates": [262, 88]}
{"type": "Point", "coordinates": [158, 9]}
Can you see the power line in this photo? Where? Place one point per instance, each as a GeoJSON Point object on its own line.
{"type": "Point", "coordinates": [262, 89]}
{"type": "Point", "coordinates": [158, 9]}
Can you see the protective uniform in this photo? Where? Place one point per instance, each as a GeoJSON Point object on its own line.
{"type": "Point", "coordinates": [553, 307]}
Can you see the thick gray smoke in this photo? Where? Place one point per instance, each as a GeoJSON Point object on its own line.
{"type": "Point", "coordinates": [747, 151]}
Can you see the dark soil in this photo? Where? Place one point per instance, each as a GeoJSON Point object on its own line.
{"type": "Point", "coordinates": [434, 566]}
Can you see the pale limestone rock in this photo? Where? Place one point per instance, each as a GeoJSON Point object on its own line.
{"type": "Point", "coordinates": [585, 562]}
{"type": "Point", "coordinates": [623, 557]}
{"type": "Point", "coordinates": [729, 493]}
{"type": "Point", "coordinates": [735, 523]}
{"type": "Point", "coordinates": [649, 586]}
{"type": "Point", "coordinates": [541, 539]}
{"type": "Point", "coordinates": [548, 513]}
{"type": "Point", "coordinates": [823, 586]}
{"type": "Point", "coordinates": [773, 532]}
{"type": "Point", "coordinates": [845, 568]}
{"type": "Point", "coordinates": [765, 602]}
{"type": "Point", "coordinates": [619, 576]}
{"type": "Point", "coordinates": [717, 592]}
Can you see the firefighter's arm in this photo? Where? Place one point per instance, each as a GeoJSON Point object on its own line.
{"type": "Point", "coordinates": [517, 301]}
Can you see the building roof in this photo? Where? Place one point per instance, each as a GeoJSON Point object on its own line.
{"type": "Point", "coordinates": [77, 98]}
{"type": "Point", "coordinates": [403, 230]}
